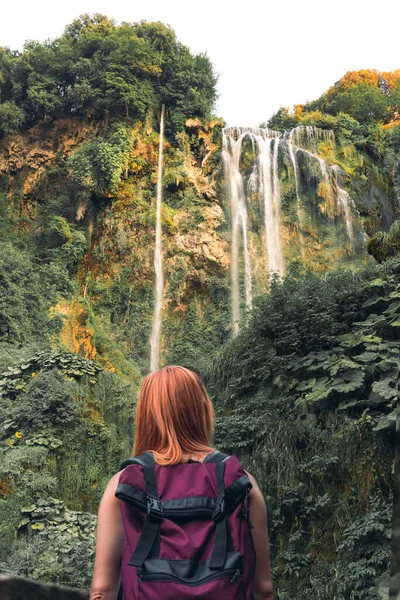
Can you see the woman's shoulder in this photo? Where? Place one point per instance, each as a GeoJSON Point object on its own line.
{"type": "Point", "coordinates": [111, 488]}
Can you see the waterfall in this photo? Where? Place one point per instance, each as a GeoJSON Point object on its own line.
{"type": "Point", "coordinates": [343, 198]}
{"type": "Point", "coordinates": [155, 335]}
{"type": "Point", "coordinates": [264, 180]}
{"type": "Point", "coordinates": [269, 190]}
{"type": "Point", "coordinates": [232, 145]}
{"type": "Point", "coordinates": [296, 182]}
{"type": "Point", "coordinates": [345, 202]}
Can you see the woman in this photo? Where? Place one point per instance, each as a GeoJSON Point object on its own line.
{"type": "Point", "coordinates": [174, 420]}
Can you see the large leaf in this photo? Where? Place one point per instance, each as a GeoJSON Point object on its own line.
{"type": "Point", "coordinates": [349, 381]}
{"type": "Point", "coordinates": [306, 385]}
{"type": "Point", "coordinates": [386, 421]}
{"type": "Point", "coordinates": [372, 321]}
{"type": "Point", "coordinates": [320, 391]}
{"type": "Point", "coordinates": [351, 340]}
{"type": "Point", "coordinates": [372, 300]}
{"type": "Point", "coordinates": [349, 403]}
{"type": "Point", "coordinates": [384, 389]}
{"type": "Point", "coordinates": [335, 363]}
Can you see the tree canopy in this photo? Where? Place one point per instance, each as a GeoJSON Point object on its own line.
{"type": "Point", "coordinates": [99, 69]}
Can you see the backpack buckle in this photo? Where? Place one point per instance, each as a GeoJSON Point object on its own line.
{"type": "Point", "coordinates": [154, 509]}
{"type": "Point", "coordinates": [219, 510]}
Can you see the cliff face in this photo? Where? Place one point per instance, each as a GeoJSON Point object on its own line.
{"type": "Point", "coordinates": [115, 276]}
{"type": "Point", "coordinates": [109, 314]}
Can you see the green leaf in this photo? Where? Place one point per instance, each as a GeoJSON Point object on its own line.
{"type": "Point", "coordinates": [349, 381]}
{"type": "Point", "coordinates": [384, 389]}
{"type": "Point", "coordinates": [39, 526]}
{"type": "Point", "coordinates": [29, 509]}
{"type": "Point", "coordinates": [377, 283]}
{"type": "Point", "coordinates": [367, 357]}
{"type": "Point", "coordinates": [23, 522]}
{"type": "Point", "coordinates": [375, 399]}
{"type": "Point", "coordinates": [371, 339]}
{"type": "Point", "coordinates": [372, 321]}
{"type": "Point", "coordinates": [351, 340]}
{"type": "Point", "coordinates": [320, 390]}
{"type": "Point", "coordinates": [348, 404]}
{"type": "Point", "coordinates": [372, 300]}
{"type": "Point", "coordinates": [306, 385]}
{"type": "Point", "coordinates": [386, 421]}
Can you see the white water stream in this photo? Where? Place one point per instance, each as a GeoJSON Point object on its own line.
{"type": "Point", "coordinates": [155, 335]}
{"type": "Point", "coordinates": [264, 181]}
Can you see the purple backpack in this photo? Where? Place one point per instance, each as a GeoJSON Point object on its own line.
{"type": "Point", "coordinates": [188, 533]}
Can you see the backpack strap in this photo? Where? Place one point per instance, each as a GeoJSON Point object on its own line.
{"type": "Point", "coordinates": [215, 456]}
{"type": "Point", "coordinates": [151, 529]}
{"type": "Point", "coordinates": [146, 457]}
{"type": "Point", "coordinates": [218, 556]}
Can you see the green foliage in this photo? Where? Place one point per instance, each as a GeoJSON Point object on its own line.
{"type": "Point", "coordinates": [384, 245]}
{"type": "Point", "coordinates": [61, 437]}
{"type": "Point", "coordinates": [97, 68]}
{"type": "Point", "coordinates": [98, 165]}
{"type": "Point", "coordinates": [55, 543]}
{"type": "Point", "coordinates": [306, 394]}
{"type": "Point", "coordinates": [282, 120]}
{"type": "Point", "coordinates": [23, 306]}
{"type": "Point", "coordinates": [18, 376]}
{"type": "Point", "coordinates": [11, 118]}
{"type": "Point", "coordinates": [64, 243]}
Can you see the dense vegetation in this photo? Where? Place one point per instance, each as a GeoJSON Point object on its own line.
{"type": "Point", "coordinates": [305, 393]}
{"type": "Point", "coordinates": [363, 110]}
{"type": "Point", "coordinates": [98, 69]}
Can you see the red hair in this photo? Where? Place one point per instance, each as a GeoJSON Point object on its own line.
{"type": "Point", "coordinates": [174, 416]}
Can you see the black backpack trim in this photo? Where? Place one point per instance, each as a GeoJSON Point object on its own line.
{"type": "Point", "coordinates": [187, 507]}
{"type": "Point", "coordinates": [213, 457]}
{"type": "Point", "coordinates": [189, 572]}
{"type": "Point", "coordinates": [151, 530]}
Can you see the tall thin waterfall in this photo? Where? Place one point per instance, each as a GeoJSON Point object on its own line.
{"type": "Point", "coordinates": [269, 188]}
{"type": "Point", "coordinates": [345, 202]}
{"type": "Point", "coordinates": [155, 335]}
{"type": "Point", "coordinates": [232, 146]}
{"type": "Point", "coordinates": [296, 181]}
{"type": "Point", "coordinates": [344, 199]}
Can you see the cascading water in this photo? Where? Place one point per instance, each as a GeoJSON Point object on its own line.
{"type": "Point", "coordinates": [311, 135]}
{"type": "Point", "coordinates": [296, 181]}
{"type": "Point", "coordinates": [264, 180]}
{"type": "Point", "coordinates": [159, 287]}
{"type": "Point", "coordinates": [267, 165]}
{"type": "Point", "coordinates": [231, 150]}
{"type": "Point", "coordinates": [345, 201]}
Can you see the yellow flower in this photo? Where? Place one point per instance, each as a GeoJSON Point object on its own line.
{"type": "Point", "coordinates": [18, 434]}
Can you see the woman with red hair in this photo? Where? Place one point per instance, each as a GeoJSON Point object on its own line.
{"type": "Point", "coordinates": [174, 422]}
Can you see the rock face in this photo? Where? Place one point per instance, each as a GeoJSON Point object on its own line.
{"type": "Point", "coordinates": [17, 588]}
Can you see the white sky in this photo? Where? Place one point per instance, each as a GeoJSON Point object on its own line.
{"type": "Point", "coordinates": [268, 54]}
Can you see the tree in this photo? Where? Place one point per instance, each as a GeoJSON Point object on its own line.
{"type": "Point", "coordinates": [11, 118]}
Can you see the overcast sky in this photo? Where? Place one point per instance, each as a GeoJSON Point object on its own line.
{"type": "Point", "coordinates": [267, 54]}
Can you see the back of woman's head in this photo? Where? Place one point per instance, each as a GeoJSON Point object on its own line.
{"type": "Point", "coordinates": [174, 416]}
